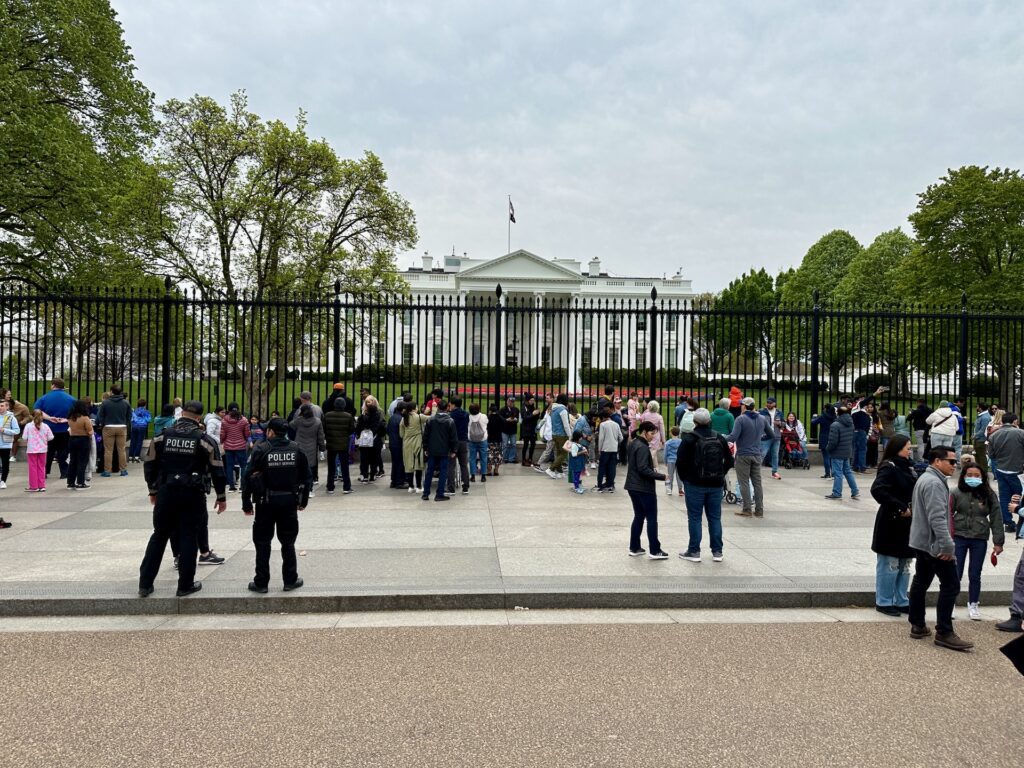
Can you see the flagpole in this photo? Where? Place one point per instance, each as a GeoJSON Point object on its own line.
{"type": "Point", "coordinates": [509, 217]}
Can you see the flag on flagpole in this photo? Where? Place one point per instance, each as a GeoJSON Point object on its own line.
{"type": "Point", "coordinates": [511, 212]}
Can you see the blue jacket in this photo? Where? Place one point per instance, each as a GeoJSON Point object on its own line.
{"type": "Point", "coordinates": [461, 419]}
{"type": "Point", "coordinates": [56, 403]}
{"type": "Point", "coordinates": [840, 438]}
{"type": "Point", "coordinates": [671, 450]}
{"type": "Point", "coordinates": [825, 422]}
{"type": "Point", "coordinates": [748, 432]}
{"type": "Point", "coordinates": [558, 428]}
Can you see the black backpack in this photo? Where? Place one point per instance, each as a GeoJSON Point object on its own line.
{"type": "Point", "coordinates": [709, 458]}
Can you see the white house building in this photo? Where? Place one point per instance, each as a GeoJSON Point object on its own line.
{"type": "Point", "coordinates": [556, 313]}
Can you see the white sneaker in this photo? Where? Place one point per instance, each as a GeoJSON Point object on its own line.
{"type": "Point", "coordinates": [13, 460]}
{"type": "Point", "coordinates": [552, 475]}
{"type": "Point", "coordinates": [2, 485]}
{"type": "Point", "coordinates": [973, 612]}
{"type": "Point", "coordinates": [668, 490]}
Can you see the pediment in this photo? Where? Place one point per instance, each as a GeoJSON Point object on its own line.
{"type": "Point", "coordinates": [519, 265]}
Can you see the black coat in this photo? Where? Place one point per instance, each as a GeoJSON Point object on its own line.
{"type": "Point", "coordinates": [893, 489]}
{"type": "Point", "coordinates": [840, 438]}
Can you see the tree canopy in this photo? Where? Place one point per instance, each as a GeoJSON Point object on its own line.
{"type": "Point", "coordinates": [73, 123]}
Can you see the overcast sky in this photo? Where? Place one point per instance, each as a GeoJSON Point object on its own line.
{"type": "Point", "coordinates": [708, 136]}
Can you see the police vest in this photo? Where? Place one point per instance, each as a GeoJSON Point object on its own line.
{"type": "Point", "coordinates": [280, 469]}
{"type": "Point", "coordinates": [182, 460]}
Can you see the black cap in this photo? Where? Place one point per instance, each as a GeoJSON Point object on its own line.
{"type": "Point", "coordinates": [194, 406]}
{"type": "Point", "coordinates": [278, 426]}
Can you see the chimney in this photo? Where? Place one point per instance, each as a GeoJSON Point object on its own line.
{"type": "Point", "coordinates": [595, 267]}
{"type": "Point", "coordinates": [428, 262]}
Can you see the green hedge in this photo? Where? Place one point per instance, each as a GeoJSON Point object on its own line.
{"type": "Point", "coordinates": [984, 387]}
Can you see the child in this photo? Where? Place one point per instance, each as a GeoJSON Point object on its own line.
{"type": "Point", "coordinates": [257, 434]}
{"type": "Point", "coordinates": [140, 426]}
{"type": "Point", "coordinates": [164, 420]}
{"type": "Point", "coordinates": [671, 451]}
{"type": "Point", "coordinates": [609, 436]}
{"type": "Point", "coordinates": [80, 432]}
{"type": "Point", "coordinates": [37, 436]}
{"type": "Point", "coordinates": [177, 408]}
{"type": "Point", "coordinates": [9, 431]}
{"type": "Point", "coordinates": [581, 435]}
{"type": "Point", "coordinates": [494, 425]}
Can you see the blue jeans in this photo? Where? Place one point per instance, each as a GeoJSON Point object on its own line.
{"type": "Point", "coordinates": [701, 501]}
{"type": "Point", "coordinates": [1008, 486]}
{"type": "Point", "coordinates": [840, 469]}
{"type": "Point", "coordinates": [234, 459]}
{"type": "Point", "coordinates": [441, 464]}
{"type": "Point", "coordinates": [478, 457]}
{"type": "Point", "coordinates": [977, 549]}
{"type": "Point", "coordinates": [508, 448]}
{"type": "Point", "coordinates": [892, 577]}
{"type": "Point", "coordinates": [606, 467]}
{"type": "Point", "coordinates": [860, 450]}
{"type": "Point", "coordinates": [135, 446]}
{"type": "Point", "coordinates": [771, 447]}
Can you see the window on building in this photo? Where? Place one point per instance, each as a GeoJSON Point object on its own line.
{"type": "Point", "coordinates": [407, 318]}
{"type": "Point", "coordinates": [350, 316]}
{"type": "Point", "coordinates": [641, 357]}
{"type": "Point", "coordinates": [545, 356]}
{"type": "Point", "coordinates": [549, 322]}
{"type": "Point", "coordinates": [438, 353]}
{"type": "Point", "coordinates": [588, 322]}
{"type": "Point", "coordinates": [641, 323]}
{"type": "Point", "coordinates": [670, 358]}
{"type": "Point", "coordinates": [438, 318]}
{"type": "Point", "coordinates": [478, 323]}
{"type": "Point", "coordinates": [380, 351]}
{"type": "Point", "coordinates": [586, 358]}
{"type": "Point", "coordinates": [613, 323]}
{"type": "Point", "coordinates": [613, 357]}
{"type": "Point", "coordinates": [478, 353]}
{"type": "Point", "coordinates": [671, 323]}
{"type": "Point", "coordinates": [407, 354]}
{"type": "Point", "coordinates": [350, 352]}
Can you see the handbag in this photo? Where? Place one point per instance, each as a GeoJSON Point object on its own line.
{"type": "Point", "coordinates": [365, 439]}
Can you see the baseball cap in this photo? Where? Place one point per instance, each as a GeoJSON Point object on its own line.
{"type": "Point", "coordinates": [701, 416]}
{"type": "Point", "coordinates": [770, 400]}
{"type": "Point", "coordinates": [747, 401]}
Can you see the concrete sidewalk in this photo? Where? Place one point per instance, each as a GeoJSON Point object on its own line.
{"type": "Point", "coordinates": [521, 539]}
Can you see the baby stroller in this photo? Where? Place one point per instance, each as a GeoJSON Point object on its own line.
{"type": "Point", "coordinates": [730, 495]}
{"type": "Point", "coordinates": [793, 453]}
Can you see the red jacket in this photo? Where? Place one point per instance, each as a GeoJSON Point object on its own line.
{"type": "Point", "coordinates": [234, 433]}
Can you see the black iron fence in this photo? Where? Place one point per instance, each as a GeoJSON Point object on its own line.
{"type": "Point", "coordinates": [261, 353]}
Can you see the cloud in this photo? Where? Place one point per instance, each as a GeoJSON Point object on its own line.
{"type": "Point", "coordinates": [716, 137]}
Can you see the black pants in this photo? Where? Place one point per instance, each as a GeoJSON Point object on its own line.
{"type": "Point", "coordinates": [334, 458]}
{"type": "Point", "coordinates": [414, 479]}
{"type": "Point", "coordinates": [367, 463]}
{"type": "Point", "coordinates": [926, 568]}
{"type": "Point", "coordinates": [58, 449]}
{"type": "Point", "coordinates": [177, 515]}
{"type": "Point", "coordinates": [529, 446]}
{"type": "Point", "coordinates": [397, 464]}
{"type": "Point", "coordinates": [606, 469]}
{"type": "Point", "coordinates": [79, 460]}
{"type": "Point", "coordinates": [5, 463]}
{"type": "Point", "coordinates": [462, 457]}
{"type": "Point", "coordinates": [645, 509]}
{"type": "Point", "coordinates": [285, 518]}
{"type": "Point", "coordinates": [202, 534]}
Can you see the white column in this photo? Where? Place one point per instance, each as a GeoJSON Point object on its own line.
{"type": "Point", "coordinates": [537, 324]}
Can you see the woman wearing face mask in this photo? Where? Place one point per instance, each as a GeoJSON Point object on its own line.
{"type": "Point", "coordinates": [893, 489]}
{"type": "Point", "coordinates": [976, 513]}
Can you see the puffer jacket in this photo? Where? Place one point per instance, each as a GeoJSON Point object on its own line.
{"type": "Point", "coordinates": [975, 518]}
{"type": "Point", "coordinates": [439, 435]}
{"type": "Point", "coordinates": [943, 422]}
{"type": "Point", "coordinates": [234, 433]}
{"type": "Point", "coordinates": [640, 473]}
{"type": "Point", "coordinates": [840, 438]}
{"type": "Point", "coordinates": [338, 427]}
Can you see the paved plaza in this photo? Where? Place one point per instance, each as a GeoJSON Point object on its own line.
{"type": "Point", "coordinates": [520, 539]}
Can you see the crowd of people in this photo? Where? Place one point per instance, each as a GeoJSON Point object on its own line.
{"type": "Point", "coordinates": [456, 443]}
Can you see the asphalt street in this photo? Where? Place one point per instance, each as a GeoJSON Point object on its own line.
{"type": "Point", "coordinates": [779, 694]}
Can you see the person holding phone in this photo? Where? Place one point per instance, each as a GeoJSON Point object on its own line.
{"type": "Point", "coordinates": [770, 446]}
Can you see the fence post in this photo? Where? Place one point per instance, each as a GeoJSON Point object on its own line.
{"type": "Point", "coordinates": [653, 340]}
{"type": "Point", "coordinates": [815, 357]}
{"type": "Point", "coordinates": [962, 392]}
{"type": "Point", "coordinates": [336, 357]}
{"type": "Point", "coordinates": [165, 372]}
{"type": "Point", "coordinates": [497, 347]}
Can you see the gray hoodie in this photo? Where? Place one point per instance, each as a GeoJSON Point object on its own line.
{"type": "Point", "coordinates": [929, 526]}
{"type": "Point", "coordinates": [114, 412]}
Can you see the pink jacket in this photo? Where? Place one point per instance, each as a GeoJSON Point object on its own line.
{"type": "Point", "coordinates": [234, 433]}
{"type": "Point", "coordinates": [36, 439]}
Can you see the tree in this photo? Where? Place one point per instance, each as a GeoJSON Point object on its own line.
{"type": "Point", "coordinates": [741, 322]}
{"type": "Point", "coordinates": [970, 226]}
{"type": "Point", "coordinates": [73, 122]}
{"type": "Point", "coordinates": [245, 208]}
{"type": "Point", "coordinates": [823, 268]}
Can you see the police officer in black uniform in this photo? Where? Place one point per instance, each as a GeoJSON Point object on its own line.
{"type": "Point", "coordinates": [277, 478]}
{"type": "Point", "coordinates": [180, 462]}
